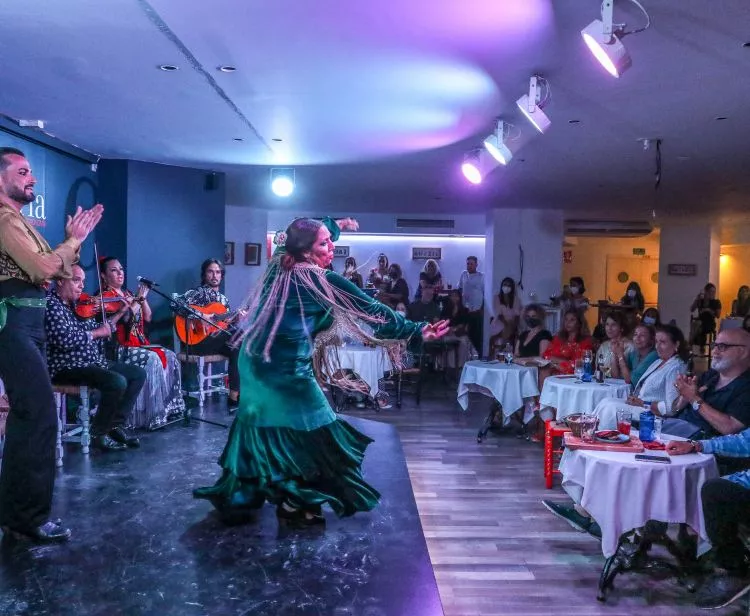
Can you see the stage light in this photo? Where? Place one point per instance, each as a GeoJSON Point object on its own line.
{"type": "Point", "coordinates": [604, 38]}
{"type": "Point", "coordinates": [471, 167]}
{"type": "Point", "coordinates": [282, 181]}
{"type": "Point", "coordinates": [496, 146]}
{"type": "Point", "coordinates": [531, 104]}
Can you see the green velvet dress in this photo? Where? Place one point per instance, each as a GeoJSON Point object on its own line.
{"type": "Point", "coordinates": [286, 443]}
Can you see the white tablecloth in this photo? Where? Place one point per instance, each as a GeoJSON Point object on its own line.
{"type": "Point", "coordinates": [508, 384]}
{"type": "Point", "coordinates": [370, 364]}
{"type": "Point", "coordinates": [621, 493]}
{"type": "Point", "coordinates": [569, 396]}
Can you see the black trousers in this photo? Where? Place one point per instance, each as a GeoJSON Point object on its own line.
{"type": "Point", "coordinates": [219, 345]}
{"type": "Point", "coordinates": [725, 505]}
{"type": "Point", "coordinates": [476, 328]}
{"type": "Point", "coordinates": [28, 469]}
{"type": "Point", "coordinates": [119, 385]}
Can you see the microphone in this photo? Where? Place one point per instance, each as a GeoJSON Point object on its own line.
{"type": "Point", "coordinates": [147, 282]}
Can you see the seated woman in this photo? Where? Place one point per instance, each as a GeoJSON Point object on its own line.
{"type": "Point", "coordinates": [430, 276]}
{"type": "Point", "coordinates": [351, 273]}
{"type": "Point", "coordinates": [631, 366]}
{"type": "Point", "coordinates": [396, 289]}
{"type": "Point", "coordinates": [656, 389]}
{"type": "Point", "coordinates": [741, 305]}
{"type": "Point", "coordinates": [709, 309]}
{"type": "Point", "coordinates": [576, 299]}
{"type": "Point", "coordinates": [457, 315]}
{"type": "Point", "coordinates": [634, 297]}
{"type": "Point", "coordinates": [615, 329]}
{"type": "Point", "coordinates": [506, 308]}
{"type": "Point", "coordinates": [161, 396]}
{"type": "Point", "coordinates": [652, 317]}
{"type": "Point", "coordinates": [569, 344]}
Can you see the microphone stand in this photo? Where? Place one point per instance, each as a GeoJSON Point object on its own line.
{"type": "Point", "coordinates": [179, 307]}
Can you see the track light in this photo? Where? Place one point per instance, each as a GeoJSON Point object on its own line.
{"type": "Point", "coordinates": [282, 181]}
{"type": "Point", "coordinates": [531, 104]}
{"type": "Point", "coordinates": [496, 146]}
{"type": "Point", "coordinates": [603, 38]}
{"type": "Point", "coordinates": [471, 167]}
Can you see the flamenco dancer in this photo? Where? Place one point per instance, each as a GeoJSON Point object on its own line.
{"type": "Point", "coordinates": [286, 445]}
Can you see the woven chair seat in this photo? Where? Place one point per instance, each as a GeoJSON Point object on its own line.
{"type": "Point", "coordinates": [194, 359]}
{"type": "Point", "coordinates": [68, 390]}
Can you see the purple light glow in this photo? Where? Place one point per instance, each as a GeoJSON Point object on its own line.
{"type": "Point", "coordinates": [471, 172]}
{"type": "Point", "coordinates": [611, 55]}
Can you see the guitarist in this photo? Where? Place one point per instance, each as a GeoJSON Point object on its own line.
{"type": "Point", "coordinates": [212, 273]}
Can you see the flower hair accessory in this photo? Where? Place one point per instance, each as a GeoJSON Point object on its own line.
{"type": "Point", "coordinates": [280, 238]}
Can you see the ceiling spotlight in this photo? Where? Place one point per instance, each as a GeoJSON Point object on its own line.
{"type": "Point", "coordinates": [169, 67]}
{"type": "Point", "coordinates": [282, 181]}
{"type": "Point", "coordinates": [471, 167]}
{"type": "Point", "coordinates": [227, 69]}
{"type": "Point", "coordinates": [603, 38]}
{"type": "Point", "coordinates": [531, 104]}
{"type": "Point", "coordinates": [496, 146]}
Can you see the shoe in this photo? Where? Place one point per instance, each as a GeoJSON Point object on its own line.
{"type": "Point", "coordinates": [301, 517]}
{"type": "Point", "coordinates": [118, 434]}
{"type": "Point", "coordinates": [107, 443]}
{"type": "Point", "coordinates": [49, 532]}
{"type": "Point", "coordinates": [721, 589]}
{"type": "Point", "coordinates": [580, 522]}
{"type": "Point", "coordinates": [233, 405]}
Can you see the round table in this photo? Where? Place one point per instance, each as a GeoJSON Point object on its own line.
{"type": "Point", "coordinates": [370, 364]}
{"type": "Point", "coordinates": [508, 384]}
{"type": "Point", "coordinates": [569, 395]}
{"type": "Point", "coordinates": [622, 493]}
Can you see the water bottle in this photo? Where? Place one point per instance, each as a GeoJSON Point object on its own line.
{"type": "Point", "coordinates": [508, 353]}
{"type": "Point", "coordinates": [588, 367]}
{"type": "Point", "coordinates": [646, 427]}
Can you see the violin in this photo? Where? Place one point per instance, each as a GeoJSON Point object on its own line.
{"type": "Point", "coordinates": [89, 306]}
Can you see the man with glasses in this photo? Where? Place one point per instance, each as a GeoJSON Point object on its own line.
{"type": "Point", "coordinates": [719, 402]}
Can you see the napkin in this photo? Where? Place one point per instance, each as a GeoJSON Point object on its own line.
{"type": "Point", "coordinates": [654, 445]}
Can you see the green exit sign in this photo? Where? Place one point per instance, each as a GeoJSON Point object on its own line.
{"type": "Point", "coordinates": [639, 252]}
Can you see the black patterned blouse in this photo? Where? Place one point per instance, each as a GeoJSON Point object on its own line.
{"type": "Point", "coordinates": [69, 340]}
{"type": "Point", "coordinates": [204, 295]}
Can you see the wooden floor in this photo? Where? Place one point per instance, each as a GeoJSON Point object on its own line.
{"type": "Point", "coordinates": [495, 549]}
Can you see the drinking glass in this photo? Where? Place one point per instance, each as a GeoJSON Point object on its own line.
{"type": "Point", "coordinates": [590, 423]}
{"type": "Point", "coordinates": [578, 369]}
{"type": "Point", "coordinates": [657, 428]}
{"type": "Point", "coordinates": [623, 421]}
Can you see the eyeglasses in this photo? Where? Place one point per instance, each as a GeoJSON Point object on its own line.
{"type": "Point", "coordinates": [721, 346]}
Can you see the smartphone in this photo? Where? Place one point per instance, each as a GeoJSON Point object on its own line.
{"type": "Point", "coordinates": [644, 457]}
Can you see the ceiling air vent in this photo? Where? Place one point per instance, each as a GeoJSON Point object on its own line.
{"type": "Point", "coordinates": [424, 223]}
{"type": "Point", "coordinates": [607, 228]}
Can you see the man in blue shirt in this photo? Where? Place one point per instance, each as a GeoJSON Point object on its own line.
{"type": "Point", "coordinates": [726, 504]}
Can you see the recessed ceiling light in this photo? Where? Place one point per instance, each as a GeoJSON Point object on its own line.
{"type": "Point", "coordinates": [720, 118]}
{"type": "Point", "coordinates": [227, 69]}
{"type": "Point", "coordinates": [574, 121]}
{"type": "Point", "coordinates": [238, 139]}
{"type": "Point", "coordinates": [746, 45]}
{"type": "Point", "coordinates": [277, 139]}
{"type": "Point", "coordinates": [169, 67]}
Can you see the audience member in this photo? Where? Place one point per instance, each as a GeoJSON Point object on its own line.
{"type": "Point", "coordinates": [395, 289]}
{"type": "Point", "coordinates": [430, 276]}
{"type": "Point", "coordinates": [459, 317]}
{"type": "Point", "coordinates": [709, 309]}
{"type": "Point", "coordinates": [616, 343]}
{"type": "Point", "coordinates": [378, 274]}
{"type": "Point", "coordinates": [746, 323]}
{"type": "Point", "coordinates": [577, 299]}
{"type": "Point", "coordinates": [534, 341]}
{"type": "Point", "coordinates": [655, 390]}
{"type": "Point", "coordinates": [425, 309]}
{"type": "Point", "coordinates": [75, 357]}
{"type": "Point", "coordinates": [569, 344]}
{"type": "Point", "coordinates": [471, 285]}
{"type": "Point", "coordinates": [634, 297]}
{"type": "Point", "coordinates": [506, 308]}
{"type": "Point", "coordinates": [651, 317]}
{"type": "Point", "coordinates": [741, 305]}
{"type": "Point", "coordinates": [726, 505]}
{"type": "Point", "coordinates": [631, 365]}
{"type": "Point", "coordinates": [351, 273]}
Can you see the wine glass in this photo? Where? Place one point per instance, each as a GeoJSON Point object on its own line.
{"type": "Point", "coordinates": [578, 369]}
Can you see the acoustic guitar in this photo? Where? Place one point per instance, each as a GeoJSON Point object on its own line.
{"type": "Point", "coordinates": [195, 331]}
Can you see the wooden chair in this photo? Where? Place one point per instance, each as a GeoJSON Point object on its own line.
{"type": "Point", "coordinates": [76, 432]}
{"type": "Point", "coordinates": [552, 430]}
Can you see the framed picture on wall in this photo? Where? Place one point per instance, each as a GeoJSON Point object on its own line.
{"type": "Point", "coordinates": [252, 254]}
{"type": "Point", "coordinates": [228, 253]}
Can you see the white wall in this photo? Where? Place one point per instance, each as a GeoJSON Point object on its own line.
{"type": "Point", "coordinates": [735, 271]}
{"type": "Point", "coordinates": [244, 225]}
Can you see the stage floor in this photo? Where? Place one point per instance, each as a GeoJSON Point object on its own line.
{"type": "Point", "coordinates": [142, 545]}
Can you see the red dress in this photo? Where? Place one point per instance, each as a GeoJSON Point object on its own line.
{"type": "Point", "coordinates": [567, 352]}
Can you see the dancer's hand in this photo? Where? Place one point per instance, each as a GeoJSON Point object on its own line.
{"type": "Point", "coordinates": [347, 224]}
{"type": "Point", "coordinates": [434, 331]}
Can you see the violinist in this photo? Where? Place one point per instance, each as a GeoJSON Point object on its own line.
{"type": "Point", "coordinates": [75, 357]}
{"type": "Point", "coordinates": [163, 390]}
{"type": "Point", "coordinates": [212, 273]}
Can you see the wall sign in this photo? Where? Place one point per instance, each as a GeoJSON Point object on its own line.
{"type": "Point", "coordinates": [682, 269]}
{"type": "Point", "coordinates": [341, 251]}
{"type": "Point", "coordinates": [639, 252]}
{"type": "Point", "coordinates": [426, 253]}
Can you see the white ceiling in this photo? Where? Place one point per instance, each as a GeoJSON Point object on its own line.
{"type": "Point", "coordinates": [375, 102]}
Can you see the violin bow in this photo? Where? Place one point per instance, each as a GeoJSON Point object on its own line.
{"type": "Point", "coordinates": [101, 288]}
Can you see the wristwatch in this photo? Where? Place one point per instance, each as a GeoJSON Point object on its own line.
{"type": "Point", "coordinates": [696, 446]}
{"type": "Point", "coordinates": [697, 404]}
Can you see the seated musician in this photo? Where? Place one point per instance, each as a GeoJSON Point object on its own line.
{"type": "Point", "coordinates": [212, 273]}
{"type": "Point", "coordinates": [75, 357]}
{"type": "Point", "coordinates": [162, 395]}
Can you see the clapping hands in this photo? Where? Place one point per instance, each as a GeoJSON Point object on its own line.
{"type": "Point", "coordinates": [79, 225]}
{"type": "Point", "coordinates": [434, 331]}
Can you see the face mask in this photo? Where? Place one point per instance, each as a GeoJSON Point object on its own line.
{"type": "Point", "coordinates": [401, 312]}
{"type": "Point", "coordinates": [631, 293]}
{"type": "Point", "coordinates": [575, 290]}
{"type": "Point", "coordinates": [507, 290]}
{"type": "Point", "coordinates": [649, 320]}
{"type": "Point", "coordinates": [533, 321]}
